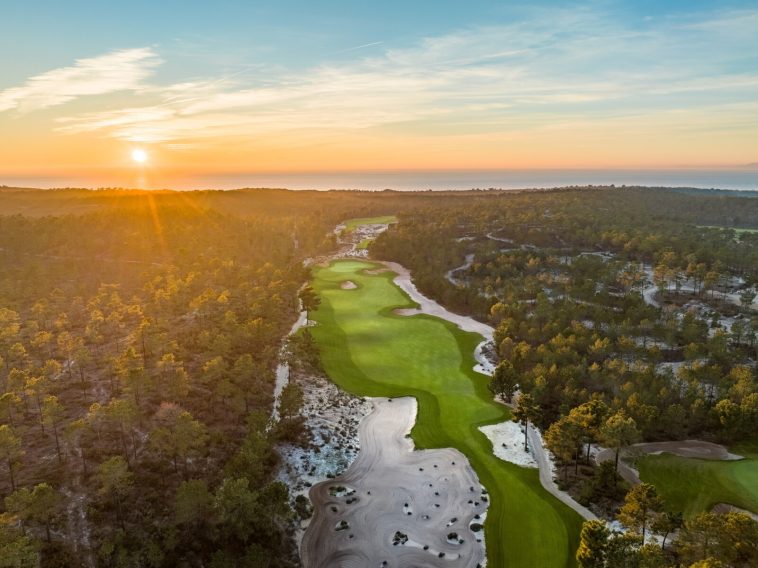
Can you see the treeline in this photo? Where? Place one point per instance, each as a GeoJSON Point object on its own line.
{"type": "Point", "coordinates": [618, 320]}
{"type": "Point", "coordinates": [641, 224]}
{"type": "Point", "coordinates": [573, 325]}
{"type": "Point", "coordinates": [708, 540]}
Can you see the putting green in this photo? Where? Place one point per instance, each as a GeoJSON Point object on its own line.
{"type": "Point", "coordinates": [692, 485]}
{"type": "Point", "coordinates": [368, 350]}
{"type": "Point", "coordinates": [351, 224]}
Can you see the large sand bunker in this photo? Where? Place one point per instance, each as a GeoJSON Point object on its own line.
{"type": "Point", "coordinates": [394, 506]}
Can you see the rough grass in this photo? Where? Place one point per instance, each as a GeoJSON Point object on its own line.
{"type": "Point", "coordinates": [692, 485]}
{"type": "Point", "coordinates": [369, 351]}
{"type": "Point", "coordinates": [351, 224]}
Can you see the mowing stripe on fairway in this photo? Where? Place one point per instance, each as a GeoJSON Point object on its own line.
{"type": "Point", "coordinates": [370, 351]}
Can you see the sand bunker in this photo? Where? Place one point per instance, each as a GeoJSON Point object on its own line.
{"type": "Point", "coordinates": [428, 306]}
{"type": "Point", "coordinates": [407, 311]}
{"type": "Point", "coordinates": [508, 443]}
{"type": "Point", "coordinates": [348, 285]}
{"type": "Point", "coordinates": [395, 506]}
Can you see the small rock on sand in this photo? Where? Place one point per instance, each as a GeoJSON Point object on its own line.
{"type": "Point", "coordinates": [398, 484]}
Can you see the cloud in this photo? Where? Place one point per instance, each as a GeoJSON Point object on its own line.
{"type": "Point", "coordinates": [119, 70]}
{"type": "Point", "coordinates": [556, 68]}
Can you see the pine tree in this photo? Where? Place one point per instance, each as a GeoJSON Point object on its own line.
{"type": "Point", "coordinates": [592, 545]}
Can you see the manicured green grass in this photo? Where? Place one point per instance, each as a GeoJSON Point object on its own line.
{"type": "Point", "coordinates": [364, 244]}
{"type": "Point", "coordinates": [692, 485]}
{"type": "Point", "coordinates": [736, 230]}
{"type": "Point", "coordinates": [351, 224]}
{"type": "Point", "coordinates": [368, 350]}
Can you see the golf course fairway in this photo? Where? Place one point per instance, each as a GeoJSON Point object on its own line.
{"type": "Point", "coordinates": [368, 350]}
{"type": "Point", "coordinates": [693, 486]}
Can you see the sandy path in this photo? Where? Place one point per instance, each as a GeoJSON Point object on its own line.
{"type": "Point", "coordinates": [499, 239]}
{"type": "Point", "coordinates": [390, 488]}
{"type": "Point", "coordinates": [546, 475]}
{"type": "Point", "coordinates": [683, 448]}
{"type": "Point", "coordinates": [465, 266]}
{"type": "Point", "coordinates": [283, 368]}
{"type": "Point", "coordinates": [649, 291]}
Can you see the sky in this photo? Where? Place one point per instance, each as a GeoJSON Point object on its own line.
{"type": "Point", "coordinates": [225, 86]}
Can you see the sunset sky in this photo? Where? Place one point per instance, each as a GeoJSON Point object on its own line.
{"type": "Point", "coordinates": [300, 85]}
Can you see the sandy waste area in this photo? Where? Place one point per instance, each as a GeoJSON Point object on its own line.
{"type": "Point", "coordinates": [394, 506]}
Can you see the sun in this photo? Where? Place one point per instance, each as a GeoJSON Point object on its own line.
{"type": "Point", "coordinates": [139, 156]}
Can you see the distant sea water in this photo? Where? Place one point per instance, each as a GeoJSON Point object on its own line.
{"type": "Point", "coordinates": [415, 180]}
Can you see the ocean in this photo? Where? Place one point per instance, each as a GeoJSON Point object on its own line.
{"type": "Point", "coordinates": [414, 180]}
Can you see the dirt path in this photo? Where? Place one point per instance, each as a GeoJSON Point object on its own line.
{"type": "Point", "coordinates": [392, 493]}
{"type": "Point", "coordinates": [683, 448]}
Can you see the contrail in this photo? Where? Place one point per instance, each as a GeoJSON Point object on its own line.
{"type": "Point", "coordinates": [361, 46]}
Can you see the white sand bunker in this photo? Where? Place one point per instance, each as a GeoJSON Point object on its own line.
{"type": "Point", "coordinates": [348, 285]}
{"type": "Point", "coordinates": [394, 506]}
{"type": "Point", "coordinates": [407, 311]}
{"type": "Point", "coordinates": [508, 443]}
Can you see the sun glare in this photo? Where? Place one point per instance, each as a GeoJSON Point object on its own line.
{"type": "Point", "coordinates": [139, 156]}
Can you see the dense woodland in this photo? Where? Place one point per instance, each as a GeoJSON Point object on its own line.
{"type": "Point", "coordinates": [621, 316]}
{"type": "Point", "coordinates": [560, 276]}
{"type": "Point", "coordinates": [139, 334]}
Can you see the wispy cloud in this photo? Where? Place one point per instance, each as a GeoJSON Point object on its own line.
{"type": "Point", "coordinates": [120, 70]}
{"type": "Point", "coordinates": [558, 68]}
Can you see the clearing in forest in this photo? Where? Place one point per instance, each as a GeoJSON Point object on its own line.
{"type": "Point", "coordinates": [370, 351]}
